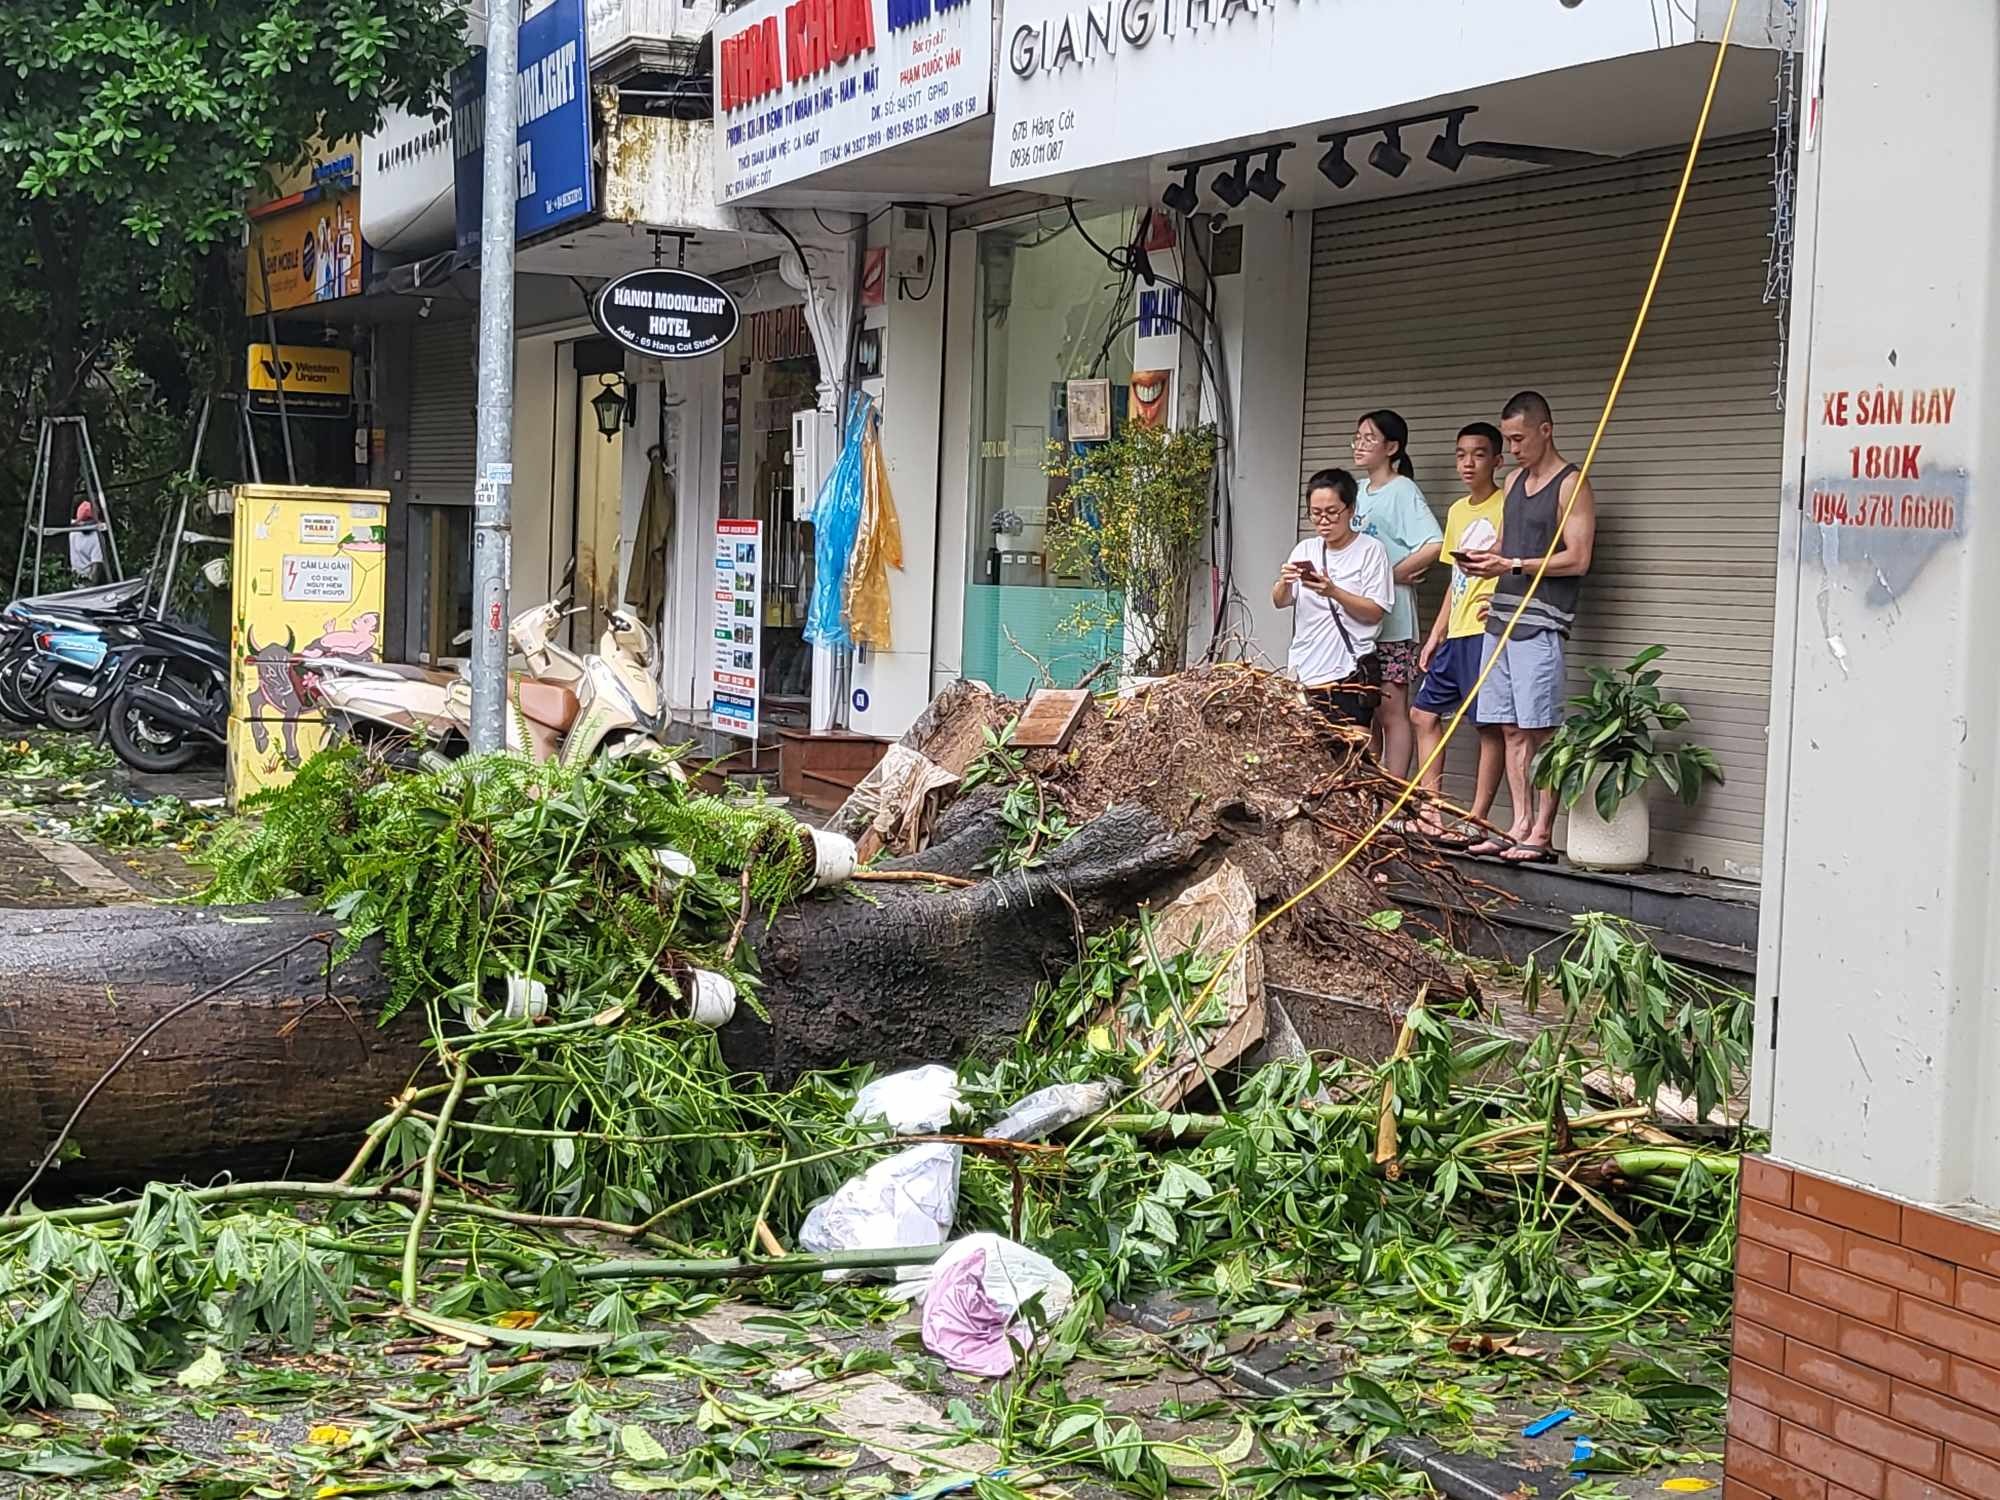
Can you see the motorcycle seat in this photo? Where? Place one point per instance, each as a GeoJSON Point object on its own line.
{"type": "Point", "coordinates": [549, 704]}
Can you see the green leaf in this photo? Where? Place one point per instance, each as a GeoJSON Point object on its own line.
{"type": "Point", "coordinates": [639, 1445]}
{"type": "Point", "coordinates": [206, 1370]}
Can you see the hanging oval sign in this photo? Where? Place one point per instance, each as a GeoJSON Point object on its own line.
{"type": "Point", "coordinates": [666, 314]}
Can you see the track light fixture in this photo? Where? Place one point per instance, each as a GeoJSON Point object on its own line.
{"type": "Point", "coordinates": [1446, 150]}
{"type": "Point", "coordinates": [1334, 166]}
{"type": "Point", "coordinates": [1233, 186]}
{"type": "Point", "coordinates": [1265, 181]}
{"type": "Point", "coordinates": [1388, 156]}
{"type": "Point", "coordinates": [1181, 197]}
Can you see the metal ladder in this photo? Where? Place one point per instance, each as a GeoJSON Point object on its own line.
{"type": "Point", "coordinates": [38, 498]}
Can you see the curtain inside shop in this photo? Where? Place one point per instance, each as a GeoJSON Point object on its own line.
{"type": "Point", "coordinates": [1049, 311]}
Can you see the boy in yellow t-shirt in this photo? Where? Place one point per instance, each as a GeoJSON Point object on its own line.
{"type": "Point", "coordinates": [1450, 658]}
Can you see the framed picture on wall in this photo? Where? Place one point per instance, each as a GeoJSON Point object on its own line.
{"type": "Point", "coordinates": [1089, 411]}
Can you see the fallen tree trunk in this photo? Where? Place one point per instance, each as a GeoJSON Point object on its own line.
{"type": "Point", "coordinates": [266, 1075]}
{"type": "Point", "coordinates": [272, 1077]}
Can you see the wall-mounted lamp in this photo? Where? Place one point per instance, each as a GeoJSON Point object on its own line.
{"type": "Point", "coordinates": [1232, 186]}
{"type": "Point", "coordinates": [612, 404]}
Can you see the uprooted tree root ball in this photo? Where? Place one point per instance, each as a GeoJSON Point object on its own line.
{"type": "Point", "coordinates": [1234, 764]}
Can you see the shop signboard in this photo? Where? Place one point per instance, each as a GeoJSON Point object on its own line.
{"type": "Point", "coordinates": [552, 128]}
{"type": "Point", "coordinates": [305, 240]}
{"type": "Point", "coordinates": [666, 314]}
{"type": "Point", "coordinates": [1086, 83]}
{"type": "Point", "coordinates": [804, 85]}
{"type": "Point", "coordinates": [409, 203]}
{"type": "Point", "coordinates": [739, 626]}
{"type": "Point", "coordinates": [316, 382]}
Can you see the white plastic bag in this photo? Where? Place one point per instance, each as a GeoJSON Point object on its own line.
{"type": "Point", "coordinates": [904, 1200]}
{"type": "Point", "coordinates": [974, 1329]}
{"type": "Point", "coordinates": [1046, 1111]}
{"type": "Point", "coordinates": [910, 1102]}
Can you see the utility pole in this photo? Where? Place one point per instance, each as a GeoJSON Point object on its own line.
{"type": "Point", "coordinates": [493, 539]}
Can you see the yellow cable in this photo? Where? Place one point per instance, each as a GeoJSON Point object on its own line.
{"type": "Point", "coordinates": [1541, 567]}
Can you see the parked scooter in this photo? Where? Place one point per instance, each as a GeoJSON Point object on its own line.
{"type": "Point", "coordinates": [564, 707]}
{"type": "Point", "coordinates": [29, 628]}
{"type": "Point", "coordinates": [163, 691]}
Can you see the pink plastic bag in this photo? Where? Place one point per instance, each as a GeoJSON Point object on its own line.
{"type": "Point", "coordinates": [964, 1326]}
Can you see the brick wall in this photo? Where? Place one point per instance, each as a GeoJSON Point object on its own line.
{"type": "Point", "coordinates": [1867, 1347]}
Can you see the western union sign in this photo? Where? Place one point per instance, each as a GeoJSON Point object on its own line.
{"type": "Point", "coordinates": [316, 382]}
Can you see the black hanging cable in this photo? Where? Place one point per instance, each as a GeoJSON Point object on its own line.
{"type": "Point", "coordinates": [930, 234]}
{"type": "Point", "coordinates": [1124, 259]}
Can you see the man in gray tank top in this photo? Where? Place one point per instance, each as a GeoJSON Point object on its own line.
{"type": "Point", "coordinates": [1524, 693]}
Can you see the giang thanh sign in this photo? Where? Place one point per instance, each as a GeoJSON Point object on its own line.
{"type": "Point", "coordinates": [803, 85]}
{"type": "Point", "coordinates": [1085, 83]}
{"type": "Point", "coordinates": [666, 314]}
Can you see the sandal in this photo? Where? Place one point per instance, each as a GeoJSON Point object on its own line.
{"type": "Point", "coordinates": [1489, 848]}
{"type": "Point", "coordinates": [1530, 854]}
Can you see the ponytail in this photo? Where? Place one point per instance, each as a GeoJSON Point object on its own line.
{"type": "Point", "coordinates": [1394, 430]}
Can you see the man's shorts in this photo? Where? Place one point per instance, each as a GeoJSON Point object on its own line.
{"type": "Point", "coordinates": [1454, 669]}
{"type": "Point", "coordinates": [1525, 687]}
{"type": "Point", "coordinates": [1399, 660]}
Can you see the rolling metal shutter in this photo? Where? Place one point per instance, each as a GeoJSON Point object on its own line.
{"type": "Point", "coordinates": [443, 395]}
{"type": "Point", "coordinates": [1441, 306]}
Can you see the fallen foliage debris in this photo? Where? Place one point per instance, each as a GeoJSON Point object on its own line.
{"type": "Point", "coordinates": [554, 1186]}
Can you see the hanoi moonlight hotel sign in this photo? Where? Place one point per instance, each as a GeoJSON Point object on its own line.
{"type": "Point", "coordinates": [804, 85]}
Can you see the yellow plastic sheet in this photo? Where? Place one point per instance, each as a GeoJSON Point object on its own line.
{"type": "Point", "coordinates": [878, 547]}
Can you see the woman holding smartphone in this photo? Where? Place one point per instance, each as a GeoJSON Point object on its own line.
{"type": "Point", "coordinates": [1340, 586]}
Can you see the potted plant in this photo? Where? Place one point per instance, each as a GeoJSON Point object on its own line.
{"type": "Point", "coordinates": [1609, 749]}
{"type": "Point", "coordinates": [1131, 519]}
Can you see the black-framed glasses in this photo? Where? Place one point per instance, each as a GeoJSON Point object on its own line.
{"type": "Point", "coordinates": [1327, 515]}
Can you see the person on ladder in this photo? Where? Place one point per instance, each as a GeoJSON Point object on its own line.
{"type": "Point", "coordinates": [86, 546]}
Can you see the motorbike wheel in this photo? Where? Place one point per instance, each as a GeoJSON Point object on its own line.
{"type": "Point", "coordinates": [144, 743]}
{"type": "Point", "coordinates": [12, 706]}
{"type": "Point", "coordinates": [62, 716]}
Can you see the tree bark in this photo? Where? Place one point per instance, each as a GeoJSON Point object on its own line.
{"type": "Point", "coordinates": [266, 1077]}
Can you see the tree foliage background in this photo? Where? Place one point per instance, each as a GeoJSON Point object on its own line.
{"type": "Point", "coordinates": [130, 133]}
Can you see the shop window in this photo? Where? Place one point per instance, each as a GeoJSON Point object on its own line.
{"type": "Point", "coordinates": [1049, 311]}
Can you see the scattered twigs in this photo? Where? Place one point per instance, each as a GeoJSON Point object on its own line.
{"type": "Point", "coordinates": [1385, 1117]}
{"type": "Point", "coordinates": [382, 1130]}
{"type": "Point", "coordinates": [132, 1050]}
{"type": "Point", "coordinates": [925, 876]}
{"type": "Point", "coordinates": [428, 1195]}
{"type": "Point", "coordinates": [742, 917]}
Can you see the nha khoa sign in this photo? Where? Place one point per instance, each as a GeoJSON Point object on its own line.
{"type": "Point", "coordinates": [804, 85]}
{"type": "Point", "coordinates": [1092, 82]}
{"type": "Point", "coordinates": [666, 314]}
{"type": "Point", "coordinates": [551, 127]}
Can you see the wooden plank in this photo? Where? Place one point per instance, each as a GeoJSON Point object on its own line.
{"type": "Point", "coordinates": [1050, 718]}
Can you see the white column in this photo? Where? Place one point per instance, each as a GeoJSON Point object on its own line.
{"type": "Point", "coordinates": [891, 688]}
{"type": "Point", "coordinates": [1263, 314]}
{"type": "Point", "coordinates": [1886, 1037]}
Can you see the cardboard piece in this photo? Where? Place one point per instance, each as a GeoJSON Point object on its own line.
{"type": "Point", "coordinates": [1211, 918]}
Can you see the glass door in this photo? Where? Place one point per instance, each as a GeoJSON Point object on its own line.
{"type": "Point", "coordinates": [1049, 310]}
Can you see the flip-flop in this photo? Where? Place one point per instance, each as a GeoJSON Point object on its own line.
{"type": "Point", "coordinates": [1530, 854]}
{"type": "Point", "coordinates": [1490, 848]}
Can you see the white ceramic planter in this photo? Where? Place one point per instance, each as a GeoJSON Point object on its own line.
{"type": "Point", "coordinates": [1622, 843]}
{"type": "Point", "coordinates": [712, 999]}
{"type": "Point", "coordinates": [834, 858]}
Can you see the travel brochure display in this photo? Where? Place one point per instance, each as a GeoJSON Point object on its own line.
{"type": "Point", "coordinates": [739, 622]}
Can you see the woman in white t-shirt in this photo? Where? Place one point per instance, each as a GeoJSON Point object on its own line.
{"type": "Point", "coordinates": [1340, 585]}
